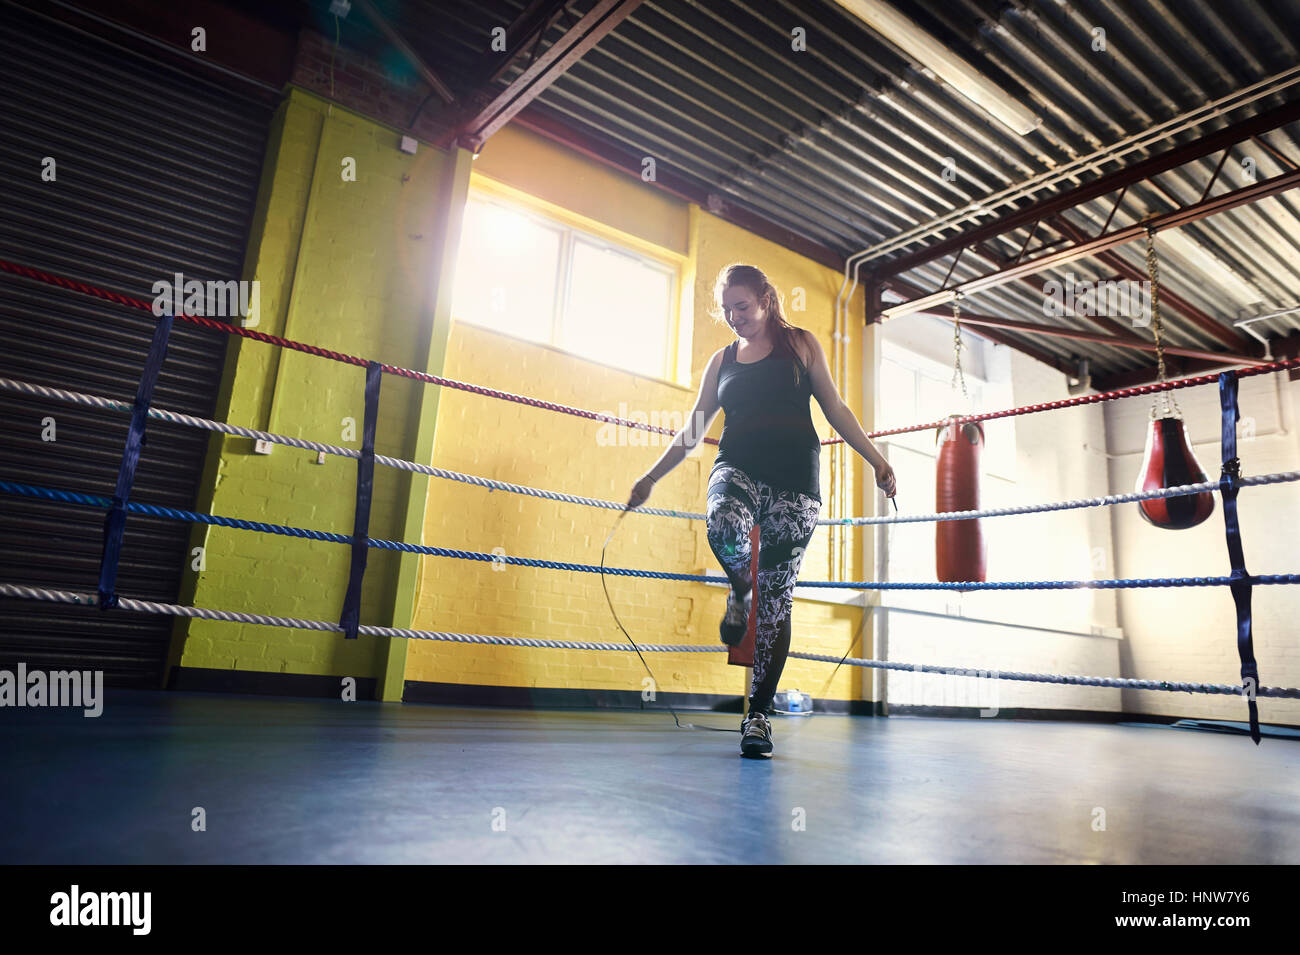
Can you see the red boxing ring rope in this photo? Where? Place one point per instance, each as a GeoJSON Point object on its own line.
{"type": "Point", "coordinates": [120, 299]}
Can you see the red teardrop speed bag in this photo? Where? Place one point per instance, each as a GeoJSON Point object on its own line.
{"type": "Point", "coordinates": [1169, 462]}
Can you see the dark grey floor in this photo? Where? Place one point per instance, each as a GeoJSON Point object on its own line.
{"type": "Point", "coordinates": [299, 781]}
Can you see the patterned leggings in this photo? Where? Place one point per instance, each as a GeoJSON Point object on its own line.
{"type": "Point", "coordinates": [786, 521]}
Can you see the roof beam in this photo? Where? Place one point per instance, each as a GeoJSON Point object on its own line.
{"type": "Point", "coordinates": [475, 129]}
{"type": "Point", "coordinates": [1200, 319]}
{"type": "Point", "coordinates": [1146, 375]}
{"type": "Point", "coordinates": [968, 318]}
{"type": "Point", "coordinates": [1103, 321]}
{"type": "Point", "coordinates": [1170, 159]}
{"type": "Point", "coordinates": [527, 30]}
{"type": "Point", "coordinates": [426, 72]}
{"type": "Point", "coordinates": [984, 331]}
{"type": "Point", "coordinates": [1167, 220]}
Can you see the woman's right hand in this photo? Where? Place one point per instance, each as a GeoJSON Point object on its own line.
{"type": "Point", "coordinates": [640, 492]}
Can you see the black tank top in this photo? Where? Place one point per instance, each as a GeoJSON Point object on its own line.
{"type": "Point", "coordinates": [767, 431]}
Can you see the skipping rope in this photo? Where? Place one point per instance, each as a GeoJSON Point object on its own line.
{"type": "Point", "coordinates": [856, 636]}
{"type": "Point", "coordinates": [654, 679]}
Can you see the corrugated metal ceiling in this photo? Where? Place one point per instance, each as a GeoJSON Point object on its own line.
{"type": "Point", "coordinates": [845, 142]}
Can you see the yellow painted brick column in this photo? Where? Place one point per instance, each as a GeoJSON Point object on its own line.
{"type": "Point", "coordinates": [343, 244]}
{"type": "Point", "coordinates": [436, 324]}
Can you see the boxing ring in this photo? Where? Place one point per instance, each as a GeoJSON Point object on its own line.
{"type": "Point", "coordinates": [1239, 580]}
{"type": "Point", "coordinates": [915, 790]}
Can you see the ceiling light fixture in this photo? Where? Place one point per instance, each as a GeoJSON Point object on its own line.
{"type": "Point", "coordinates": [930, 54]}
{"type": "Point", "coordinates": [1208, 266]}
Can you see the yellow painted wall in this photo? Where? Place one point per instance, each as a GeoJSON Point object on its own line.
{"type": "Point", "coordinates": [554, 174]}
{"type": "Point", "coordinates": [516, 443]}
{"type": "Point", "coordinates": [344, 265]}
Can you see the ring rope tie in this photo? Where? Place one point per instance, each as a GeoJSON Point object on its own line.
{"type": "Point", "coordinates": [1241, 580]}
{"type": "Point", "coordinates": [72, 497]}
{"type": "Point", "coordinates": [350, 617]}
{"type": "Point", "coordinates": [149, 606]}
{"type": "Point", "coordinates": [213, 325]}
{"type": "Point", "coordinates": [115, 521]}
{"type": "Point", "coordinates": [94, 401]}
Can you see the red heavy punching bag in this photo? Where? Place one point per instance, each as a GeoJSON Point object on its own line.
{"type": "Point", "coordinates": [1169, 462]}
{"type": "Point", "coordinates": [958, 545]}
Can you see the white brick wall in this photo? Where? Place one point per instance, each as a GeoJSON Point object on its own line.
{"type": "Point", "coordinates": [1190, 634]}
{"type": "Point", "coordinates": [1183, 634]}
{"type": "Point", "coordinates": [1059, 456]}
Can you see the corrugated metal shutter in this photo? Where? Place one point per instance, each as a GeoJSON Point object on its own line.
{"type": "Point", "coordinates": [157, 174]}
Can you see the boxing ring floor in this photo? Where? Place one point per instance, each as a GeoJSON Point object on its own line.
{"type": "Point", "coordinates": [305, 781]}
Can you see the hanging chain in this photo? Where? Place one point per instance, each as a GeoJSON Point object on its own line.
{"type": "Point", "coordinates": [956, 346]}
{"type": "Point", "coordinates": [1153, 270]}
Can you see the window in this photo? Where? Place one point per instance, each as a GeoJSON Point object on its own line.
{"type": "Point", "coordinates": [508, 271]}
{"type": "Point", "coordinates": [915, 389]}
{"type": "Point", "coordinates": [545, 281]}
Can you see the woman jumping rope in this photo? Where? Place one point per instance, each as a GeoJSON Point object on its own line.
{"type": "Point", "coordinates": [767, 472]}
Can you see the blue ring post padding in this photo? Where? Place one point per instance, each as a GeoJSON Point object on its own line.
{"type": "Point", "coordinates": [1241, 583]}
{"type": "Point", "coordinates": [351, 616]}
{"type": "Point", "coordinates": [115, 521]}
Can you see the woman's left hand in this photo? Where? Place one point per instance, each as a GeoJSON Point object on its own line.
{"type": "Point", "coordinates": [885, 479]}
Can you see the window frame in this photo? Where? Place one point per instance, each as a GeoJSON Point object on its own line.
{"type": "Point", "coordinates": [571, 226]}
{"type": "Point", "coordinates": [601, 243]}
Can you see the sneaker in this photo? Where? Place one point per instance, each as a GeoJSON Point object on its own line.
{"type": "Point", "coordinates": [736, 619]}
{"type": "Point", "coordinates": [756, 736]}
